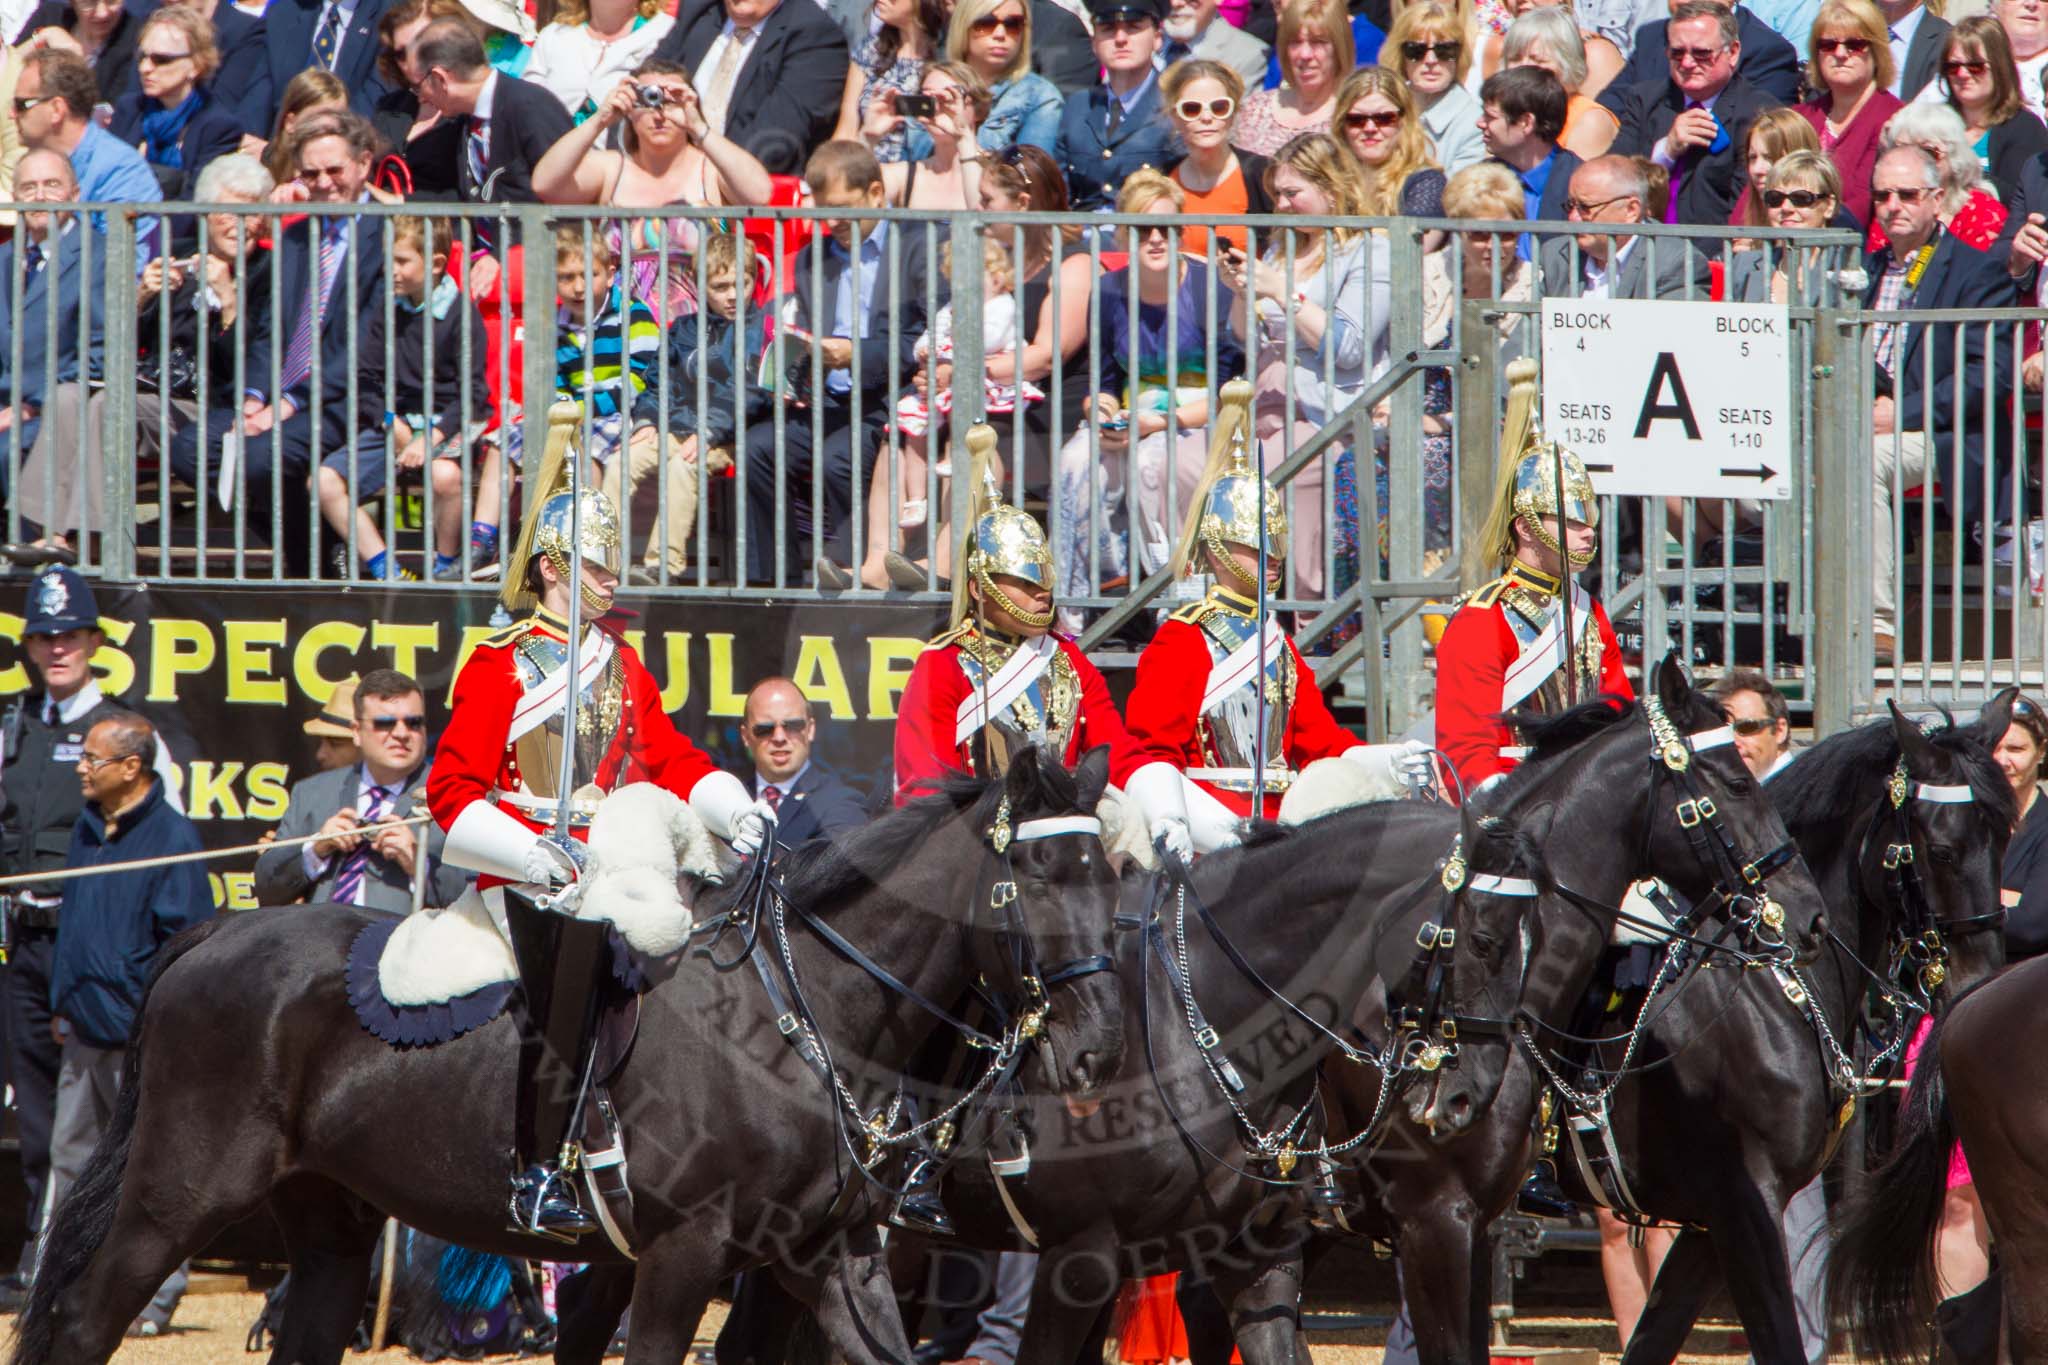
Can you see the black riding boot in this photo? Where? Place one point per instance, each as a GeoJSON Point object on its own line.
{"type": "Point", "coordinates": [920, 1208]}
{"type": "Point", "coordinates": [563, 962]}
{"type": "Point", "coordinates": [1969, 1323]}
{"type": "Point", "coordinates": [1541, 1196]}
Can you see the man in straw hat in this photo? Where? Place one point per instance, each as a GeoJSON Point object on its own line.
{"type": "Point", "coordinates": [1197, 708]}
{"type": "Point", "coordinates": [1504, 647]}
{"type": "Point", "coordinates": [1001, 678]}
{"type": "Point", "coordinates": [496, 784]}
{"type": "Point", "coordinates": [334, 727]}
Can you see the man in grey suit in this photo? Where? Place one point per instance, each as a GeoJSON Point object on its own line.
{"type": "Point", "coordinates": [342, 866]}
{"type": "Point", "coordinates": [1192, 30]}
{"type": "Point", "coordinates": [1610, 190]}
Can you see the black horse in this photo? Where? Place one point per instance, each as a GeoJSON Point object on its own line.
{"type": "Point", "coordinates": [1612, 801]}
{"type": "Point", "coordinates": [251, 1083]}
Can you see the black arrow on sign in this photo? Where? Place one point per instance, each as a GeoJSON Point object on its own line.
{"type": "Point", "coordinates": [1599, 469]}
{"type": "Point", "coordinates": [1763, 473]}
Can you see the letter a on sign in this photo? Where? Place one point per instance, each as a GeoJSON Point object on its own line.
{"type": "Point", "coordinates": [1678, 409]}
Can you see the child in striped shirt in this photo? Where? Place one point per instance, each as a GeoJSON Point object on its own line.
{"type": "Point", "coordinates": [609, 342]}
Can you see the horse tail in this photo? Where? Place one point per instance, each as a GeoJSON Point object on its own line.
{"type": "Point", "coordinates": [1881, 1286]}
{"type": "Point", "coordinates": [79, 1228]}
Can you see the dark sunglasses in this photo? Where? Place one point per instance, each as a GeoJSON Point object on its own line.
{"type": "Point", "coordinates": [1909, 195]}
{"type": "Point", "coordinates": [1358, 118]}
{"type": "Point", "coordinates": [1190, 110]}
{"type": "Point", "coordinates": [1975, 66]}
{"type": "Point", "coordinates": [1751, 725]}
{"type": "Point", "coordinates": [2024, 706]}
{"type": "Point", "coordinates": [160, 58]}
{"type": "Point", "coordinates": [1855, 47]}
{"type": "Point", "coordinates": [1415, 51]}
{"type": "Point", "coordinates": [1698, 56]}
{"type": "Point", "coordinates": [1013, 157]}
{"type": "Point", "coordinates": [1798, 199]}
{"type": "Point", "coordinates": [765, 729]}
{"type": "Point", "coordinates": [22, 106]}
{"type": "Point", "coordinates": [989, 23]}
{"type": "Point", "coordinates": [384, 725]}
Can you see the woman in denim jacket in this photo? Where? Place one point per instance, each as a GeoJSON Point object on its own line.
{"type": "Point", "coordinates": [993, 39]}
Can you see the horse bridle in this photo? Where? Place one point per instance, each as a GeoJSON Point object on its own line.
{"type": "Point", "coordinates": [1430, 1031]}
{"type": "Point", "coordinates": [1919, 952]}
{"type": "Point", "coordinates": [1013, 945]}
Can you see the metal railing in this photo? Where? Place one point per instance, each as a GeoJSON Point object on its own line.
{"type": "Point", "coordinates": [1400, 391]}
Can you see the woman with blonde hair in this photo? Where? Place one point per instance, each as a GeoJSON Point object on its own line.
{"type": "Point", "coordinates": [1318, 328]}
{"type": "Point", "coordinates": [1802, 190]}
{"type": "Point", "coordinates": [1773, 133]}
{"type": "Point", "coordinates": [172, 118]}
{"type": "Point", "coordinates": [592, 45]}
{"type": "Point", "coordinates": [309, 92]}
{"type": "Point", "coordinates": [992, 38]}
{"type": "Point", "coordinates": [1218, 179]}
{"type": "Point", "coordinates": [1546, 37]}
{"type": "Point", "coordinates": [1428, 49]}
{"type": "Point", "coordinates": [1379, 124]}
{"type": "Point", "coordinates": [1969, 210]}
{"type": "Point", "coordinates": [1316, 53]}
{"type": "Point", "coordinates": [1849, 60]}
{"type": "Point", "coordinates": [1983, 86]}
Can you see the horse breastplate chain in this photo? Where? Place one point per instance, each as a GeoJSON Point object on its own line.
{"type": "Point", "coordinates": [1042, 714]}
{"type": "Point", "coordinates": [1229, 730]}
{"type": "Point", "coordinates": [598, 710]}
{"type": "Point", "coordinates": [1528, 613]}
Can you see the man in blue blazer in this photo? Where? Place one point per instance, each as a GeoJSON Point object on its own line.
{"type": "Point", "coordinates": [340, 35]}
{"type": "Point", "coordinates": [811, 801]}
{"type": "Point", "coordinates": [1769, 63]}
{"type": "Point", "coordinates": [47, 256]}
{"type": "Point", "coordinates": [1118, 125]}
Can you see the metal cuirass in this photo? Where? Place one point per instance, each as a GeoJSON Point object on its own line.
{"type": "Point", "coordinates": [598, 710]}
{"type": "Point", "coordinates": [1043, 714]}
{"type": "Point", "coordinates": [1229, 730]}
{"type": "Point", "coordinates": [1527, 614]}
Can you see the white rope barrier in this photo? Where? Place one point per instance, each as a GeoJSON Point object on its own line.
{"type": "Point", "coordinates": [203, 855]}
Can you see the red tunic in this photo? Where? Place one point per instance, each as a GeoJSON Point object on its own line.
{"type": "Point", "coordinates": [475, 758]}
{"type": "Point", "coordinates": [1173, 675]}
{"type": "Point", "coordinates": [1472, 659]}
{"type": "Point", "coordinates": [927, 719]}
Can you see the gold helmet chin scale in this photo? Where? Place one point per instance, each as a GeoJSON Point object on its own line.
{"type": "Point", "coordinates": [1538, 478]}
{"type": "Point", "coordinates": [1234, 505]}
{"type": "Point", "coordinates": [1002, 542]}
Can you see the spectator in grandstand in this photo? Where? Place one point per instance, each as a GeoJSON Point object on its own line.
{"type": "Point", "coordinates": [101, 33]}
{"type": "Point", "coordinates": [948, 176]}
{"type": "Point", "coordinates": [1316, 53]}
{"type": "Point", "coordinates": [1921, 428]}
{"type": "Point", "coordinates": [173, 118]}
{"type": "Point", "coordinates": [1426, 48]}
{"type": "Point", "coordinates": [2022, 754]}
{"type": "Point", "coordinates": [992, 38]}
{"type": "Point", "coordinates": [333, 35]}
{"type": "Point", "coordinates": [1983, 88]}
{"type": "Point", "coordinates": [1916, 37]}
{"type": "Point", "coordinates": [1316, 331]}
{"type": "Point", "coordinates": [1546, 37]}
{"type": "Point", "coordinates": [889, 61]}
{"type": "Point", "coordinates": [1609, 192]}
{"type": "Point", "coordinates": [1119, 125]}
{"type": "Point", "coordinates": [54, 95]}
{"type": "Point", "coordinates": [1151, 417]}
{"type": "Point", "coordinates": [312, 91]}
{"type": "Point", "coordinates": [1194, 30]}
{"type": "Point", "coordinates": [418, 410]}
{"type": "Point", "coordinates": [327, 264]}
{"type": "Point", "coordinates": [402, 118]}
{"type": "Point", "coordinates": [388, 722]}
{"type": "Point", "coordinates": [702, 349]}
{"type": "Point", "coordinates": [859, 303]}
{"type": "Point", "coordinates": [334, 727]}
{"type": "Point", "coordinates": [1694, 123]}
{"type": "Point", "coordinates": [1773, 134]}
{"type": "Point", "coordinates": [1377, 120]}
{"type": "Point", "coordinates": [1609, 28]}
{"type": "Point", "coordinates": [239, 81]}
{"type": "Point", "coordinates": [2026, 30]}
{"type": "Point", "coordinates": [592, 45]}
{"type": "Point", "coordinates": [770, 73]}
{"type": "Point", "coordinates": [811, 801]}
{"type": "Point", "coordinates": [609, 340]}
{"type": "Point", "coordinates": [1970, 211]}
{"type": "Point", "coordinates": [1522, 120]}
{"type": "Point", "coordinates": [1216, 180]}
{"type": "Point", "coordinates": [505, 125]}
{"type": "Point", "coordinates": [1757, 713]}
{"type": "Point", "coordinates": [49, 258]}
{"type": "Point", "coordinates": [1802, 190]}
{"type": "Point", "coordinates": [1765, 61]}
{"type": "Point", "coordinates": [1850, 63]}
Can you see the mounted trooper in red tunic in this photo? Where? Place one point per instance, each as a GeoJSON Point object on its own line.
{"type": "Point", "coordinates": [1522, 640]}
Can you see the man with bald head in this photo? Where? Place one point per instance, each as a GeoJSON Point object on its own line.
{"type": "Point", "coordinates": [810, 800]}
{"type": "Point", "coordinates": [45, 256]}
{"type": "Point", "coordinates": [1602, 261]}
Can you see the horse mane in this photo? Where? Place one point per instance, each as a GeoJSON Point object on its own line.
{"type": "Point", "coordinates": [824, 872]}
{"type": "Point", "coordinates": [1831, 779]}
{"type": "Point", "coordinates": [1547, 734]}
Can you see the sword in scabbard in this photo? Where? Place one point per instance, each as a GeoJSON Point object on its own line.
{"type": "Point", "coordinates": [565, 776]}
{"type": "Point", "coordinates": [1259, 654]}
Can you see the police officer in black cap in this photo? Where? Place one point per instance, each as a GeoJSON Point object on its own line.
{"type": "Point", "coordinates": [44, 734]}
{"type": "Point", "coordinates": [1119, 125]}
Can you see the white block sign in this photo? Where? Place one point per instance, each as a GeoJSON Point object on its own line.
{"type": "Point", "coordinates": [1669, 398]}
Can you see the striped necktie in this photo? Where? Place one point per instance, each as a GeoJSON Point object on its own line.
{"type": "Point", "coordinates": [298, 357]}
{"type": "Point", "coordinates": [348, 882]}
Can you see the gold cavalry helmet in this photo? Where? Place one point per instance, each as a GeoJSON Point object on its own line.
{"type": "Point", "coordinates": [1002, 542]}
{"type": "Point", "coordinates": [1537, 478]}
{"type": "Point", "coordinates": [552, 528]}
{"type": "Point", "coordinates": [1232, 499]}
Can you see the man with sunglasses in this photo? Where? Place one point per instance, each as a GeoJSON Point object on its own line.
{"type": "Point", "coordinates": [1757, 713]}
{"type": "Point", "coordinates": [1767, 61]}
{"type": "Point", "coordinates": [810, 800]}
{"type": "Point", "coordinates": [388, 782]}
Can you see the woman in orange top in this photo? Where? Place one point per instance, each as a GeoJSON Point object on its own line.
{"type": "Point", "coordinates": [1202, 98]}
